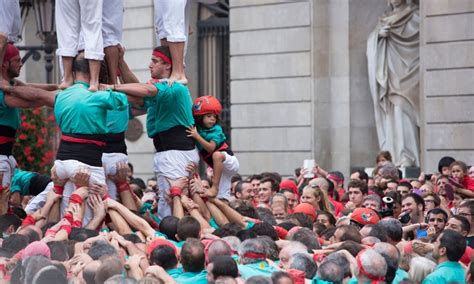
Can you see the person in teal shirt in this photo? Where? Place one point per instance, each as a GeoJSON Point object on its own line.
{"type": "Point", "coordinates": [253, 259]}
{"type": "Point", "coordinates": [27, 183]}
{"type": "Point", "coordinates": [193, 260]}
{"type": "Point", "coordinates": [448, 250]}
{"type": "Point", "coordinates": [170, 107]}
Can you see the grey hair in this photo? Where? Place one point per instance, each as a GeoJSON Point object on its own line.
{"type": "Point", "coordinates": [296, 247]}
{"type": "Point", "coordinates": [420, 267]}
{"type": "Point", "coordinates": [32, 265]}
{"type": "Point", "coordinates": [392, 227]}
{"type": "Point", "coordinates": [303, 262]}
{"type": "Point", "coordinates": [388, 170]}
{"type": "Point", "coordinates": [285, 200]}
{"type": "Point", "coordinates": [120, 279]}
{"type": "Point", "coordinates": [271, 248]}
{"type": "Point", "coordinates": [259, 280]}
{"type": "Point", "coordinates": [251, 245]}
{"type": "Point", "coordinates": [373, 197]}
{"type": "Point", "coordinates": [330, 271]}
{"type": "Point", "coordinates": [373, 262]}
{"type": "Point", "coordinates": [341, 261]}
{"type": "Point", "coordinates": [233, 241]}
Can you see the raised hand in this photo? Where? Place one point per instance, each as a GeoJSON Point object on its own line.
{"type": "Point", "coordinates": [81, 178]}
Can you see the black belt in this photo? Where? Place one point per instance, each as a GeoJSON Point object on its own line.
{"type": "Point", "coordinates": [174, 138]}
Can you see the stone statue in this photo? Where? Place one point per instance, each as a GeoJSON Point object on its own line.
{"type": "Point", "coordinates": [393, 63]}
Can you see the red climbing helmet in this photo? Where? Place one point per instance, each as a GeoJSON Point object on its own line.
{"type": "Point", "coordinates": [206, 104]}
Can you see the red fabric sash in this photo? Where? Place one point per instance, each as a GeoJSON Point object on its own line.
{"type": "Point", "coordinates": [82, 141]}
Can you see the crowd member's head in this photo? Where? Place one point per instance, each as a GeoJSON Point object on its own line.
{"type": "Point", "coordinates": [192, 255]}
{"type": "Point", "coordinates": [392, 256]}
{"type": "Point", "coordinates": [371, 266]}
{"type": "Point", "coordinates": [449, 246]}
{"type": "Point", "coordinates": [281, 277]}
{"type": "Point", "coordinates": [244, 190]}
{"type": "Point", "coordinates": [443, 165]}
{"type": "Point", "coordinates": [326, 218]}
{"type": "Point", "coordinates": [471, 172]}
{"type": "Point", "coordinates": [347, 233]}
{"type": "Point", "coordinates": [383, 156]}
{"type": "Point", "coordinates": [300, 219]}
{"type": "Point", "coordinates": [222, 266]}
{"type": "Point", "coordinates": [206, 183]}
{"type": "Point", "coordinates": [188, 227]}
{"type": "Point", "coordinates": [31, 266]}
{"type": "Point", "coordinates": [217, 248]}
{"type": "Point", "coordinates": [109, 267]}
{"type": "Point", "coordinates": [245, 208]}
{"type": "Point", "coordinates": [15, 242]}
{"type": "Point", "coordinates": [9, 223]}
{"type": "Point", "coordinates": [420, 267]}
{"type": "Point", "coordinates": [396, 204]}
{"type": "Point", "coordinates": [426, 189]}
{"type": "Point", "coordinates": [279, 212]}
{"type": "Point", "coordinates": [393, 229]}
{"type": "Point", "coordinates": [255, 181]}
{"type": "Point", "coordinates": [11, 64]}
{"type": "Point", "coordinates": [252, 251]}
{"type": "Point", "coordinates": [307, 237]}
{"type": "Point", "coordinates": [169, 227]}
{"type": "Point", "coordinates": [303, 262]}
{"type": "Point", "coordinates": [391, 185]}
{"type": "Point", "coordinates": [291, 197]}
{"type": "Point", "coordinates": [372, 201]}
{"type": "Point", "coordinates": [315, 196]}
{"type": "Point", "coordinates": [33, 233]}
{"type": "Point", "coordinates": [459, 224]}
{"type": "Point", "coordinates": [458, 170]}
{"type": "Point", "coordinates": [161, 63]}
{"type": "Point", "coordinates": [267, 188]}
{"type": "Point", "coordinates": [289, 184]}
{"type": "Point", "coordinates": [414, 205]}
{"type": "Point", "coordinates": [291, 248]}
{"type": "Point", "coordinates": [437, 219]}
{"type": "Point", "coordinates": [432, 201]}
{"type": "Point", "coordinates": [364, 216]}
{"type": "Point", "coordinates": [404, 188]}
{"type": "Point", "coordinates": [163, 253]}
{"type": "Point", "coordinates": [330, 271]}
{"type": "Point", "coordinates": [357, 191]}
{"type": "Point", "coordinates": [59, 251]}
{"type": "Point", "coordinates": [466, 209]}
{"type": "Point", "coordinates": [360, 174]}
{"type": "Point", "coordinates": [100, 249]}
{"type": "Point", "coordinates": [266, 215]}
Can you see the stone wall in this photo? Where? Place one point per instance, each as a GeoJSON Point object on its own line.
{"type": "Point", "coordinates": [447, 81]}
{"type": "Point", "coordinates": [271, 89]}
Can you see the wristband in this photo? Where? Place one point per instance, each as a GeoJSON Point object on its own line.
{"type": "Point", "coordinates": [105, 196]}
{"type": "Point", "coordinates": [76, 199]}
{"type": "Point", "coordinates": [123, 186]}
{"type": "Point", "coordinates": [1, 186]}
{"type": "Point", "coordinates": [175, 191]}
{"type": "Point", "coordinates": [77, 224]}
{"type": "Point", "coordinates": [58, 189]}
{"type": "Point", "coordinates": [69, 218]}
{"type": "Point", "coordinates": [29, 220]}
{"type": "Point", "coordinates": [50, 233]}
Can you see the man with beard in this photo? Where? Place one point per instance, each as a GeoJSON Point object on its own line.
{"type": "Point", "coordinates": [414, 205]}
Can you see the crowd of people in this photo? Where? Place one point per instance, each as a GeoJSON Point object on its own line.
{"type": "Point", "coordinates": [90, 221]}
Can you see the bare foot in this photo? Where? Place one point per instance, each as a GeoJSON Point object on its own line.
{"type": "Point", "coordinates": [66, 84]}
{"type": "Point", "coordinates": [179, 78]}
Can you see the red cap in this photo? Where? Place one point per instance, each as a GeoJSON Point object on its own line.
{"type": "Point", "coordinates": [160, 242]}
{"type": "Point", "coordinates": [10, 52]}
{"type": "Point", "coordinates": [206, 104]}
{"type": "Point", "coordinates": [296, 275]}
{"type": "Point", "coordinates": [365, 216]}
{"type": "Point", "coordinates": [288, 183]}
{"type": "Point", "coordinates": [307, 209]}
{"type": "Point", "coordinates": [281, 232]}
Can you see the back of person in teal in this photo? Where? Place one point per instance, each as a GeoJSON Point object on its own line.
{"type": "Point", "coordinates": [26, 183]}
{"type": "Point", "coordinates": [9, 123]}
{"type": "Point", "coordinates": [448, 250]}
{"type": "Point", "coordinates": [82, 118]}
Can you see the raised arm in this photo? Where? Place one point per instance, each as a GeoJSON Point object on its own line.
{"type": "Point", "coordinates": [126, 75]}
{"type": "Point", "coordinates": [135, 221]}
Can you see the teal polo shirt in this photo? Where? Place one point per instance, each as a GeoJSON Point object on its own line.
{"type": "Point", "coordinates": [80, 111]}
{"type": "Point", "coordinates": [8, 116]}
{"type": "Point", "coordinates": [446, 272]}
{"type": "Point", "coordinates": [191, 277]}
{"type": "Point", "coordinates": [214, 133]}
{"type": "Point", "coordinates": [259, 268]}
{"type": "Point", "coordinates": [172, 106]}
{"type": "Point", "coordinates": [400, 275]}
{"type": "Point", "coordinates": [21, 182]}
{"type": "Point", "coordinates": [117, 120]}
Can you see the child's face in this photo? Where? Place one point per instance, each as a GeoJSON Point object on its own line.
{"type": "Point", "coordinates": [209, 120]}
{"type": "Point", "coordinates": [471, 172]}
{"type": "Point", "coordinates": [446, 171]}
{"type": "Point", "coordinates": [457, 172]}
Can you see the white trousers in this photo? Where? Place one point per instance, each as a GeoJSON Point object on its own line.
{"type": "Point", "coordinates": [10, 19]}
{"type": "Point", "coordinates": [39, 200]}
{"type": "Point", "coordinates": [171, 165]}
{"type": "Point", "coordinates": [66, 170]}
{"type": "Point", "coordinates": [109, 162]}
{"type": "Point", "coordinates": [74, 17]}
{"type": "Point", "coordinates": [231, 168]}
{"type": "Point", "coordinates": [7, 167]}
{"type": "Point", "coordinates": [112, 23]}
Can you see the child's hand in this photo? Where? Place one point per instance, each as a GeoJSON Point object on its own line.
{"type": "Point", "coordinates": [192, 132]}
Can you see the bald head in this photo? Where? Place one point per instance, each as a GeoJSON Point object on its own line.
{"type": "Point", "coordinates": [217, 248]}
{"type": "Point", "coordinates": [392, 257]}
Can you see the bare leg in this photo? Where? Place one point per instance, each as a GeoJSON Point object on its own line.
{"type": "Point", "coordinates": [177, 56]}
{"type": "Point", "coordinates": [112, 56]}
{"type": "Point", "coordinates": [68, 78]}
{"type": "Point", "coordinates": [164, 42]}
{"type": "Point", "coordinates": [94, 70]}
{"type": "Point", "coordinates": [218, 159]}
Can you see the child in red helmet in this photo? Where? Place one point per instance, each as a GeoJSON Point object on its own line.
{"type": "Point", "coordinates": [212, 146]}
